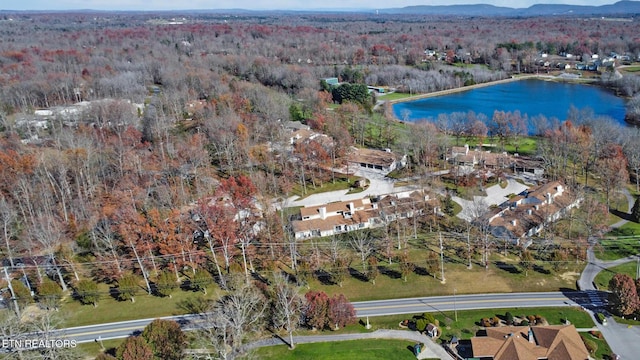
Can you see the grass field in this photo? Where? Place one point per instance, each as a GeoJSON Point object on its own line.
{"type": "Point", "coordinates": [393, 96]}
{"type": "Point", "coordinates": [628, 229]}
{"type": "Point", "coordinates": [631, 69]}
{"type": "Point", "coordinates": [603, 351]}
{"type": "Point", "coordinates": [341, 183]}
{"type": "Point", "coordinates": [612, 249]}
{"type": "Point", "coordinates": [477, 280]}
{"type": "Point", "coordinates": [603, 278]}
{"type": "Point", "coordinates": [145, 306]}
{"type": "Point", "coordinates": [352, 350]}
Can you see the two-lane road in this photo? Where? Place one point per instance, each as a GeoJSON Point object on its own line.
{"type": "Point", "coordinates": [123, 329]}
{"type": "Point", "coordinates": [464, 302]}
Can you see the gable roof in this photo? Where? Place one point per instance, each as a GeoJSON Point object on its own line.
{"type": "Point", "coordinates": [554, 342]}
{"type": "Point", "coordinates": [372, 156]}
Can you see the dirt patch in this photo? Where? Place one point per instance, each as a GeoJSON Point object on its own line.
{"type": "Point", "coordinates": [569, 276]}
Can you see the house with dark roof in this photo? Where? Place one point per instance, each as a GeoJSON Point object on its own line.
{"type": "Point", "coordinates": [553, 342]}
{"type": "Point", "coordinates": [382, 160]}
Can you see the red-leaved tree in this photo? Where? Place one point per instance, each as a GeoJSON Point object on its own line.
{"type": "Point", "coordinates": [315, 314]}
{"type": "Point", "coordinates": [624, 296]}
{"type": "Point", "coordinates": [341, 312]}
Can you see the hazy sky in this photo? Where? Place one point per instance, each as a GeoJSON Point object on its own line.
{"type": "Point", "coordinates": [262, 4]}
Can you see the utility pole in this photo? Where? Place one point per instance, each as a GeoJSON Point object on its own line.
{"type": "Point", "coordinates": [455, 309]}
{"type": "Point", "coordinates": [13, 294]}
{"type": "Point", "coordinates": [469, 247]}
{"type": "Point", "coordinates": [442, 261]}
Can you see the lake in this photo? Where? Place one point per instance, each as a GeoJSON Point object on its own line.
{"type": "Point", "coordinates": [531, 97]}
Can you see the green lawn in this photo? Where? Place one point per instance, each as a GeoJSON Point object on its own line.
{"type": "Point", "coordinates": [469, 321]}
{"type": "Point", "coordinates": [145, 306]}
{"type": "Point", "coordinates": [352, 350]}
{"type": "Point", "coordinates": [525, 146]}
{"type": "Point", "coordinates": [628, 229]}
{"type": "Point", "coordinates": [603, 348]}
{"type": "Point", "coordinates": [389, 283]}
{"type": "Point", "coordinates": [631, 69]}
{"type": "Point", "coordinates": [393, 96]}
{"type": "Point", "coordinates": [603, 278]}
{"type": "Point", "coordinates": [612, 249]}
{"type": "Point", "coordinates": [92, 349]}
{"type": "Point", "coordinates": [341, 183]}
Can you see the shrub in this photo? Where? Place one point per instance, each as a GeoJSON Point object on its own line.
{"type": "Point", "coordinates": [509, 318]}
{"type": "Point", "coordinates": [485, 322]}
{"type": "Point", "coordinates": [429, 317]}
{"type": "Point", "coordinates": [495, 321]}
{"type": "Point", "coordinates": [421, 324]}
{"type": "Point", "coordinates": [524, 323]}
{"type": "Point", "coordinates": [590, 345]}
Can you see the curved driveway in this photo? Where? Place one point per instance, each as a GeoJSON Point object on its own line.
{"type": "Point", "coordinates": [495, 196]}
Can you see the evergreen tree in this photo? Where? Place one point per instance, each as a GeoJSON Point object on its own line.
{"type": "Point", "coordinates": [49, 293]}
{"type": "Point", "coordinates": [635, 211]}
{"type": "Point", "coordinates": [166, 283]}
{"type": "Point", "coordinates": [87, 292]}
{"type": "Point", "coordinates": [128, 287]}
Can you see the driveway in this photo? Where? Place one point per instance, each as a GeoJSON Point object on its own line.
{"type": "Point", "coordinates": [622, 339]}
{"type": "Point", "coordinates": [379, 184]}
{"type": "Point", "coordinates": [495, 196]}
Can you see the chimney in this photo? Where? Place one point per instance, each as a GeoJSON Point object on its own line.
{"type": "Point", "coordinates": [514, 222]}
{"type": "Point", "coordinates": [466, 149]}
{"type": "Point", "coordinates": [548, 198]}
{"type": "Point", "coordinates": [532, 339]}
{"type": "Point", "coordinates": [323, 212]}
{"type": "Point", "coordinates": [352, 208]}
{"type": "Point", "coordinates": [529, 211]}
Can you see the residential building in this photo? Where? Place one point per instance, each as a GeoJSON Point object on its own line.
{"type": "Point", "coordinates": [553, 342]}
{"type": "Point", "coordinates": [335, 218]}
{"type": "Point", "coordinates": [345, 216]}
{"type": "Point", "coordinates": [463, 156]}
{"type": "Point", "coordinates": [527, 214]}
{"type": "Point", "coordinates": [382, 160]}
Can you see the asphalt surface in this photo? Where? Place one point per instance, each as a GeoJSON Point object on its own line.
{"type": "Point", "coordinates": [495, 196]}
{"type": "Point", "coordinates": [379, 184]}
{"type": "Point", "coordinates": [624, 340]}
{"type": "Point", "coordinates": [116, 330]}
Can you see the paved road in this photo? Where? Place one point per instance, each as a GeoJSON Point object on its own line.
{"type": "Point", "coordinates": [123, 329]}
{"type": "Point", "coordinates": [468, 302]}
{"type": "Point", "coordinates": [622, 339]}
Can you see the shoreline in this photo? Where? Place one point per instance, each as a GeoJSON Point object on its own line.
{"type": "Point", "coordinates": [478, 86]}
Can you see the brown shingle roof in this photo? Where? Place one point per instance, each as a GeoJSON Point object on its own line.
{"type": "Point", "coordinates": [372, 156]}
{"type": "Point", "coordinates": [555, 342]}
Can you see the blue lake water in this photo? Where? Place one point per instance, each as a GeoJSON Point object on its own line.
{"type": "Point", "coordinates": [530, 97]}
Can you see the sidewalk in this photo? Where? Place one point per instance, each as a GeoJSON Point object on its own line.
{"type": "Point", "coordinates": [431, 350]}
